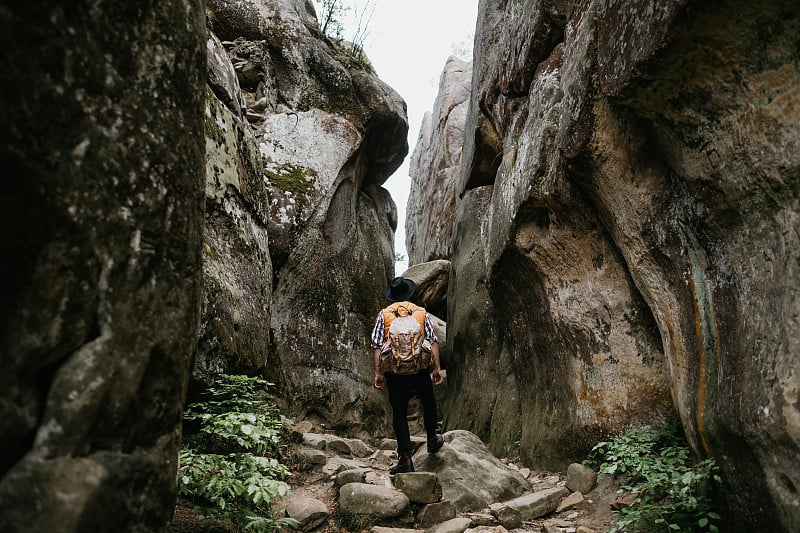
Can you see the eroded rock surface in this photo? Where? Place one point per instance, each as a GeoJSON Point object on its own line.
{"type": "Point", "coordinates": [102, 237]}
{"type": "Point", "coordinates": [300, 231]}
{"type": "Point", "coordinates": [627, 224]}
{"type": "Point", "coordinates": [434, 167]}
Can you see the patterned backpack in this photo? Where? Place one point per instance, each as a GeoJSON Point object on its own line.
{"type": "Point", "coordinates": [405, 349]}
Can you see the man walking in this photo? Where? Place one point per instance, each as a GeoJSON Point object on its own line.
{"type": "Point", "coordinates": [403, 364]}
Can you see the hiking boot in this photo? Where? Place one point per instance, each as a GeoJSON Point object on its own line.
{"type": "Point", "coordinates": [435, 442]}
{"type": "Point", "coordinates": [404, 464]}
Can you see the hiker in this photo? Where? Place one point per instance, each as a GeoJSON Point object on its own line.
{"type": "Point", "coordinates": [404, 347]}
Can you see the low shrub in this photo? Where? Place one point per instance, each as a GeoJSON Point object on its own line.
{"type": "Point", "coordinates": [671, 492]}
{"type": "Point", "coordinates": [231, 466]}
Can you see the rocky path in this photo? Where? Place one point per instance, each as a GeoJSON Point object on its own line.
{"type": "Point", "coordinates": [343, 484]}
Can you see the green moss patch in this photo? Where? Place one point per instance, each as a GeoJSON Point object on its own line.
{"type": "Point", "coordinates": [294, 179]}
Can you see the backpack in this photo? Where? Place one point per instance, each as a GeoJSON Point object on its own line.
{"type": "Point", "coordinates": [405, 349]}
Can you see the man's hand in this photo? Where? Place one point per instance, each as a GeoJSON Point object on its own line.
{"type": "Point", "coordinates": [378, 381]}
{"type": "Point", "coordinates": [437, 376]}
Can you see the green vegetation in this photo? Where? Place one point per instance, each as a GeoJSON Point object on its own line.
{"type": "Point", "coordinates": [670, 493]}
{"type": "Point", "coordinates": [230, 466]}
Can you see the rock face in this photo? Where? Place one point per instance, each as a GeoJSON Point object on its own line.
{"type": "Point", "coordinates": [300, 231]}
{"type": "Point", "coordinates": [434, 167]}
{"type": "Point", "coordinates": [101, 247]}
{"type": "Point", "coordinates": [626, 236]}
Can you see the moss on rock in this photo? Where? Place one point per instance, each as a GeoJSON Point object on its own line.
{"type": "Point", "coordinates": [295, 179]}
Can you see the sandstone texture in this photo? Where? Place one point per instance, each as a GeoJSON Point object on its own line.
{"type": "Point", "coordinates": [299, 248]}
{"type": "Point", "coordinates": [625, 240]}
{"type": "Point", "coordinates": [434, 167]}
{"type": "Point", "coordinates": [102, 210]}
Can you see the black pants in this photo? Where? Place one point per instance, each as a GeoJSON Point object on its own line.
{"type": "Point", "coordinates": [400, 388]}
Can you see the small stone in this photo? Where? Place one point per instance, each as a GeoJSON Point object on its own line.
{"type": "Point", "coordinates": [624, 501]}
{"type": "Point", "coordinates": [315, 440]}
{"type": "Point", "coordinates": [383, 459]}
{"type": "Point", "coordinates": [354, 475]}
{"type": "Point", "coordinates": [488, 529]}
{"type": "Point", "coordinates": [253, 116]}
{"type": "Point", "coordinates": [580, 478]}
{"type": "Point", "coordinates": [585, 529]}
{"type": "Point", "coordinates": [508, 517]}
{"type": "Point", "coordinates": [420, 487]}
{"type": "Point", "coordinates": [538, 503]}
{"type": "Point", "coordinates": [570, 501]}
{"type": "Point", "coordinates": [309, 458]}
{"type": "Point", "coordinates": [381, 529]}
{"type": "Point", "coordinates": [455, 525]}
{"type": "Point", "coordinates": [301, 428]}
{"type": "Point", "coordinates": [259, 106]}
{"type": "Point", "coordinates": [482, 519]}
{"type": "Point", "coordinates": [435, 513]}
{"type": "Point", "coordinates": [359, 448]}
{"type": "Point", "coordinates": [388, 444]}
{"type": "Point", "coordinates": [373, 500]}
{"type": "Point", "coordinates": [340, 464]}
{"type": "Point", "coordinates": [310, 513]}
{"type": "Point", "coordinates": [349, 447]}
{"type": "Point", "coordinates": [526, 472]}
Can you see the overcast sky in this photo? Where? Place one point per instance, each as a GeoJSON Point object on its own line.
{"type": "Point", "coordinates": [408, 43]}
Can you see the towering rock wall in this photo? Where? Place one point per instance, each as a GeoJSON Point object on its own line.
{"type": "Point", "coordinates": [626, 238]}
{"type": "Point", "coordinates": [102, 149]}
{"type": "Point", "coordinates": [430, 213]}
{"type": "Point", "coordinates": [299, 248]}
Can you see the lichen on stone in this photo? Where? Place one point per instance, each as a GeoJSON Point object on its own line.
{"type": "Point", "coordinates": [297, 180]}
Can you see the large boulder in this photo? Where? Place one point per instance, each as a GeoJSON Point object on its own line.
{"type": "Point", "coordinates": [301, 232]}
{"type": "Point", "coordinates": [102, 213]}
{"type": "Point", "coordinates": [431, 279]}
{"type": "Point", "coordinates": [629, 192]}
{"type": "Point", "coordinates": [470, 476]}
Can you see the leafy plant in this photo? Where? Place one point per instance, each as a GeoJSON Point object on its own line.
{"type": "Point", "coordinates": [670, 492]}
{"type": "Point", "coordinates": [231, 467]}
